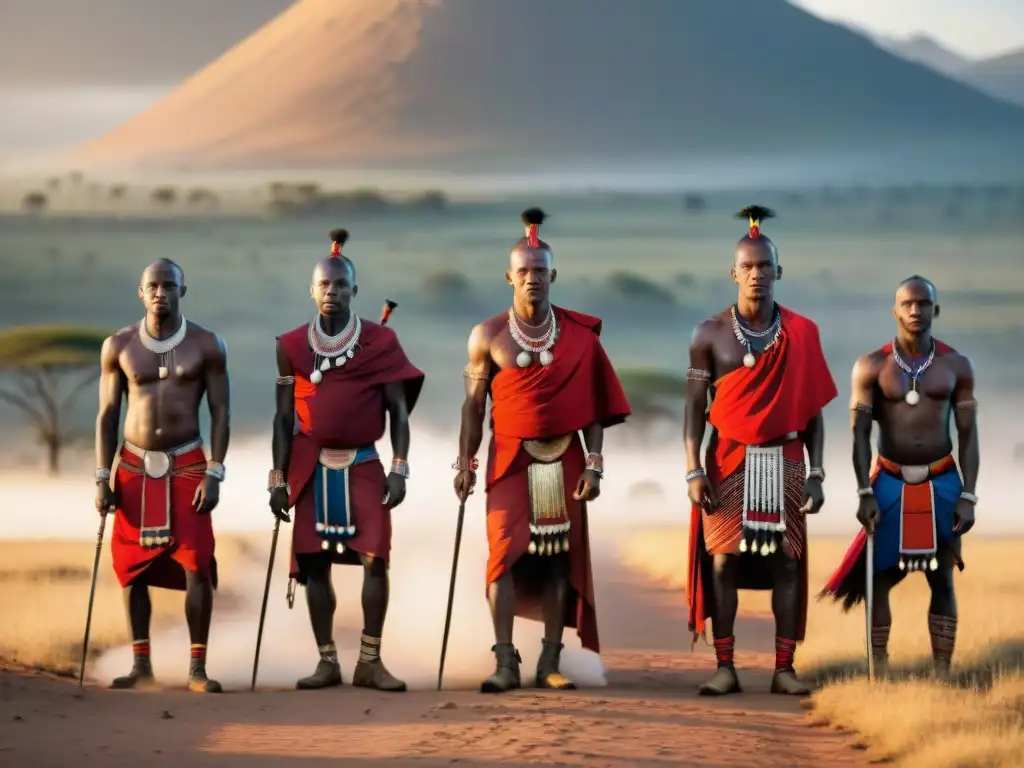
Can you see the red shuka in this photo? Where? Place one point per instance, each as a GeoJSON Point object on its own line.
{"type": "Point", "coordinates": [788, 386]}
{"type": "Point", "coordinates": [192, 540]}
{"type": "Point", "coordinates": [345, 410]}
{"type": "Point", "coordinates": [580, 387]}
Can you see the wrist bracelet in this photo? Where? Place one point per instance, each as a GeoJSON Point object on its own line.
{"type": "Point", "coordinates": [275, 479]}
{"type": "Point", "coordinates": [970, 497]}
{"type": "Point", "coordinates": [595, 464]}
{"type": "Point", "coordinates": [865, 492]}
{"type": "Point", "coordinates": [400, 467]}
{"type": "Point", "coordinates": [215, 469]}
{"type": "Point", "coordinates": [463, 464]}
{"type": "Point", "coordinates": [102, 475]}
{"type": "Point", "coordinates": [816, 473]}
{"type": "Point", "coordinates": [693, 474]}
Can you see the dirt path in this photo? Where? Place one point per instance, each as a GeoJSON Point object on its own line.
{"type": "Point", "coordinates": [648, 715]}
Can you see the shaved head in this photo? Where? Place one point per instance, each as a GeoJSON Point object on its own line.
{"type": "Point", "coordinates": [161, 288]}
{"type": "Point", "coordinates": [918, 280]}
{"type": "Point", "coordinates": [331, 266]}
{"type": "Point", "coordinates": [756, 248]}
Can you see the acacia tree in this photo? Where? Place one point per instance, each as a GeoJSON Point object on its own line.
{"type": "Point", "coordinates": [49, 367]}
{"type": "Point", "coordinates": [655, 398]}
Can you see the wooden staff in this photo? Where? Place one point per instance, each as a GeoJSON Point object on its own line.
{"type": "Point", "coordinates": [263, 609]}
{"type": "Point", "coordinates": [92, 595]}
{"type": "Point", "coordinates": [451, 592]}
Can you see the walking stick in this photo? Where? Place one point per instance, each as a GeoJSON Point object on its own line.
{"type": "Point", "coordinates": [451, 592]}
{"type": "Point", "coordinates": [266, 596]}
{"type": "Point", "coordinates": [92, 596]}
{"type": "Point", "coordinates": [869, 598]}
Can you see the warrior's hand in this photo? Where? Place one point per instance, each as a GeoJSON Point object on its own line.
{"type": "Point", "coordinates": [701, 493]}
{"type": "Point", "coordinates": [465, 482]}
{"type": "Point", "coordinates": [814, 496]}
{"type": "Point", "coordinates": [868, 513]}
{"type": "Point", "coordinates": [394, 490]}
{"type": "Point", "coordinates": [589, 486]}
{"type": "Point", "coordinates": [964, 517]}
{"type": "Point", "coordinates": [106, 499]}
{"type": "Point", "coordinates": [207, 495]}
{"type": "Point", "coordinates": [279, 503]}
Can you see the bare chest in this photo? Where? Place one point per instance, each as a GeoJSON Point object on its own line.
{"type": "Point", "coordinates": [727, 352]}
{"type": "Point", "coordinates": [182, 366]}
{"type": "Point", "coordinates": [936, 383]}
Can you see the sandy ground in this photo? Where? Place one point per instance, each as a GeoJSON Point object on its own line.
{"type": "Point", "coordinates": [648, 715]}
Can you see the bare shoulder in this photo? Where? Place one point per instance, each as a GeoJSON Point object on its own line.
{"type": "Point", "coordinates": [708, 330]}
{"type": "Point", "coordinates": [117, 342]}
{"type": "Point", "coordinates": [961, 365]}
{"type": "Point", "coordinates": [484, 334]}
{"type": "Point", "coordinates": [867, 367]}
{"type": "Point", "coordinates": [211, 342]}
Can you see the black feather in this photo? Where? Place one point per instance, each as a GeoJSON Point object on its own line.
{"type": "Point", "coordinates": [755, 212]}
{"type": "Point", "coordinates": [534, 216]}
{"type": "Point", "coordinates": [391, 304]}
{"type": "Point", "coordinates": [339, 236]}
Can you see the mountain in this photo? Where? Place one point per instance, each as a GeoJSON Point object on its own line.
{"type": "Point", "coordinates": [99, 43]}
{"type": "Point", "coordinates": [536, 84]}
{"type": "Point", "coordinates": [1001, 76]}
{"type": "Point", "coordinates": [926, 51]}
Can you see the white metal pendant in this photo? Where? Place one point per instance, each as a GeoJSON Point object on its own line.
{"type": "Point", "coordinates": [316, 377]}
{"type": "Point", "coordinates": [748, 360]}
{"type": "Point", "coordinates": [523, 359]}
{"type": "Point", "coordinates": [913, 397]}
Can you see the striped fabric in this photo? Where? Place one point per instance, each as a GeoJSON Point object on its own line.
{"type": "Point", "coordinates": [723, 528]}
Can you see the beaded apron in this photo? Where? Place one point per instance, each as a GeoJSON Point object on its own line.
{"type": "Point", "coordinates": [764, 499]}
{"type": "Point", "coordinates": [335, 518]}
{"type": "Point", "coordinates": [549, 517]}
{"type": "Point", "coordinates": [158, 467]}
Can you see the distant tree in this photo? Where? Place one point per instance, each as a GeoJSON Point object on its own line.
{"type": "Point", "coordinates": [446, 289]}
{"type": "Point", "coordinates": [201, 197]}
{"type": "Point", "coordinates": [694, 203]}
{"type": "Point", "coordinates": [35, 202]}
{"type": "Point", "coordinates": [53, 183]}
{"type": "Point", "coordinates": [37, 359]}
{"type": "Point", "coordinates": [654, 396]}
{"type": "Point", "coordinates": [76, 177]}
{"type": "Point", "coordinates": [430, 200]}
{"type": "Point", "coordinates": [118, 191]}
{"type": "Point", "coordinates": [164, 195]}
{"type": "Point", "coordinates": [639, 292]}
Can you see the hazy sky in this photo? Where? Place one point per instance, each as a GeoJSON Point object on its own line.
{"type": "Point", "coordinates": [973, 27]}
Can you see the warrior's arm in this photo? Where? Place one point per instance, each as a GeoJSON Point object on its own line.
{"type": "Point", "coordinates": [218, 399]}
{"type": "Point", "coordinates": [398, 417]}
{"type": "Point", "coordinates": [813, 437]}
{"type": "Point", "coordinates": [112, 388]}
{"type": "Point", "coordinates": [698, 383]}
{"type": "Point", "coordinates": [478, 383]}
{"type": "Point", "coordinates": [965, 409]}
{"type": "Point", "coordinates": [593, 436]}
{"type": "Point", "coordinates": [861, 418]}
{"type": "Point", "coordinates": [284, 415]}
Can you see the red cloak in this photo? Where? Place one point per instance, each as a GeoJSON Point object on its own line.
{"type": "Point", "coordinates": [192, 541]}
{"type": "Point", "coordinates": [580, 387]}
{"type": "Point", "coordinates": [788, 386]}
{"type": "Point", "coordinates": [345, 410]}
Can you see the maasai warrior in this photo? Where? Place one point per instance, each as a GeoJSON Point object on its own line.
{"type": "Point", "coordinates": [764, 369]}
{"type": "Point", "coordinates": [914, 501]}
{"type": "Point", "coordinates": [338, 376]}
{"type": "Point", "coordinates": [163, 487]}
{"type": "Point", "coordinates": [549, 378]}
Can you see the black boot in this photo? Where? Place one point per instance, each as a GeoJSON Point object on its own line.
{"type": "Point", "coordinates": [786, 682]}
{"type": "Point", "coordinates": [722, 683]}
{"type": "Point", "coordinates": [328, 671]}
{"type": "Point", "coordinates": [141, 676]}
{"type": "Point", "coordinates": [506, 674]}
{"type": "Point", "coordinates": [198, 682]}
{"type": "Point", "coordinates": [548, 675]}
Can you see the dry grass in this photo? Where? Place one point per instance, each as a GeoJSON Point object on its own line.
{"type": "Point", "coordinates": [977, 720]}
{"type": "Point", "coordinates": [44, 597]}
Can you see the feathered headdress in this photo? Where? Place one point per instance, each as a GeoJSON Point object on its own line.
{"type": "Point", "coordinates": [533, 218]}
{"type": "Point", "coordinates": [755, 214]}
{"type": "Point", "coordinates": [338, 239]}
